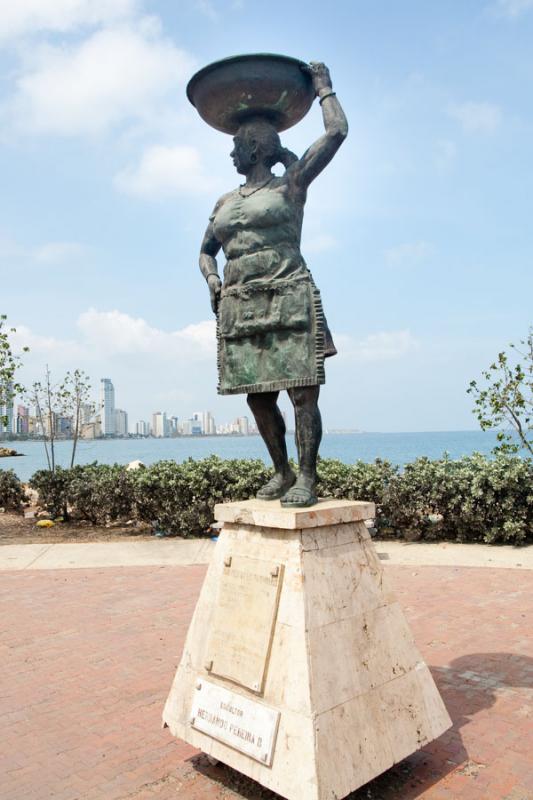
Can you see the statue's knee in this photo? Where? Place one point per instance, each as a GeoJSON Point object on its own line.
{"type": "Point", "coordinates": [305, 397]}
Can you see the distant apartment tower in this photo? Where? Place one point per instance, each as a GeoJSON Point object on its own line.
{"type": "Point", "coordinates": [142, 428]}
{"type": "Point", "coordinates": [107, 407]}
{"type": "Point", "coordinates": [159, 424]}
{"type": "Point", "coordinates": [23, 420]}
{"type": "Point", "coordinates": [243, 426]}
{"type": "Point", "coordinates": [121, 422]}
{"type": "Point", "coordinates": [6, 408]}
{"type": "Point", "coordinates": [206, 423]}
{"type": "Point", "coordinates": [86, 413]}
{"type": "Point", "coordinates": [186, 427]}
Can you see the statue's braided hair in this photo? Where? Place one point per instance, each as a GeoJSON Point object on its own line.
{"type": "Point", "coordinates": [262, 133]}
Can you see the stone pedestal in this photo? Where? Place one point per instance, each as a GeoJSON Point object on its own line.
{"type": "Point", "coordinates": [299, 669]}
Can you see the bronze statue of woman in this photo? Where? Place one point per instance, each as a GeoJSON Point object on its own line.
{"type": "Point", "coordinates": [271, 330]}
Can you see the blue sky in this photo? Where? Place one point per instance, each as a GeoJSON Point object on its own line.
{"type": "Point", "coordinates": [419, 234]}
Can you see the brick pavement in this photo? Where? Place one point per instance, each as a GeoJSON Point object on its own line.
{"type": "Point", "coordinates": [88, 656]}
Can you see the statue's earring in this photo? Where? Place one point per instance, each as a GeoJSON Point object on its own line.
{"type": "Point", "coordinates": [253, 158]}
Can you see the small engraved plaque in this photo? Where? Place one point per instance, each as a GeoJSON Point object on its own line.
{"type": "Point", "coordinates": [241, 723]}
{"type": "Point", "coordinates": [244, 618]}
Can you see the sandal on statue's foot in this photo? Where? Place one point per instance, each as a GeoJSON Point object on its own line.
{"type": "Point", "coordinates": [299, 497]}
{"type": "Point", "coordinates": [276, 487]}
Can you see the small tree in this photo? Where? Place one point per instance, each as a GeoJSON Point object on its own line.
{"type": "Point", "coordinates": [506, 399]}
{"type": "Point", "coordinates": [9, 364]}
{"type": "Point", "coordinates": [73, 395]}
{"type": "Point", "coordinates": [45, 397]}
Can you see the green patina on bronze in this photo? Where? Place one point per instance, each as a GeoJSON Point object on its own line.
{"type": "Point", "coordinates": [271, 331]}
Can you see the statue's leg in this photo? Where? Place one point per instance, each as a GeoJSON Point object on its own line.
{"type": "Point", "coordinates": [308, 436]}
{"type": "Point", "coordinates": [271, 426]}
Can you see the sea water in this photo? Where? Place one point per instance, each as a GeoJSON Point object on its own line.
{"type": "Point", "coordinates": [399, 448]}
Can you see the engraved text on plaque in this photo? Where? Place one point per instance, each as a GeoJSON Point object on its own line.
{"type": "Point", "coordinates": [241, 723]}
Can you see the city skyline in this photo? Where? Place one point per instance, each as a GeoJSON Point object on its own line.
{"type": "Point", "coordinates": [102, 419]}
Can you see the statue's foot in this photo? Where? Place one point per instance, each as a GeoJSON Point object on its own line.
{"type": "Point", "coordinates": [277, 486]}
{"type": "Point", "coordinates": [301, 495]}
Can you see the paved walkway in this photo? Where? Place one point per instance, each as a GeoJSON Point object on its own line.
{"type": "Point", "coordinates": [182, 552]}
{"type": "Point", "coordinates": [88, 656]}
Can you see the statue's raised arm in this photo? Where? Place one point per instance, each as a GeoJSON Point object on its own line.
{"type": "Point", "coordinates": [318, 156]}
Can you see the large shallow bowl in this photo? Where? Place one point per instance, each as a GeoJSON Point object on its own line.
{"type": "Point", "coordinates": [229, 91]}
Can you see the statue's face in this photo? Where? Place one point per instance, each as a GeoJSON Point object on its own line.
{"type": "Point", "coordinates": [241, 154]}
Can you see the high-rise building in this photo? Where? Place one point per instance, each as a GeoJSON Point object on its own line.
{"type": "Point", "coordinates": [204, 420]}
{"type": "Point", "coordinates": [142, 428]}
{"type": "Point", "coordinates": [86, 413]}
{"type": "Point", "coordinates": [243, 426]}
{"type": "Point", "coordinates": [6, 408]}
{"type": "Point", "coordinates": [62, 425]}
{"type": "Point", "coordinates": [121, 422]}
{"type": "Point", "coordinates": [186, 427]}
{"type": "Point", "coordinates": [208, 424]}
{"type": "Point", "coordinates": [159, 424]}
{"type": "Point", "coordinates": [173, 428]}
{"type": "Point", "coordinates": [107, 407]}
{"type": "Point", "coordinates": [23, 419]}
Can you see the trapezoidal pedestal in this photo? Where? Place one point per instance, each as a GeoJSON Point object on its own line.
{"type": "Point", "coordinates": [299, 669]}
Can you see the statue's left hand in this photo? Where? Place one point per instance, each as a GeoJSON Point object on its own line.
{"type": "Point", "coordinates": [319, 75]}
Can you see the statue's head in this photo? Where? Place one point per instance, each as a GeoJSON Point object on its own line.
{"type": "Point", "coordinates": [257, 140]}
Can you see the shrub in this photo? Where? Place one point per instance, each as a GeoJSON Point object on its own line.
{"type": "Point", "coordinates": [52, 488]}
{"type": "Point", "coordinates": [180, 498]}
{"type": "Point", "coordinates": [100, 493]}
{"type": "Point", "coordinates": [471, 499]}
{"type": "Point", "coordinates": [12, 493]}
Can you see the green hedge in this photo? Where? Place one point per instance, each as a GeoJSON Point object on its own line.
{"type": "Point", "coordinates": [12, 493]}
{"type": "Point", "coordinates": [471, 499]}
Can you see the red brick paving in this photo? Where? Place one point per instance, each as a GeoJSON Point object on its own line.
{"type": "Point", "coordinates": [87, 657]}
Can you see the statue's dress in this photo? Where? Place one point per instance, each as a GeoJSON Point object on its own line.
{"type": "Point", "coordinates": [271, 329]}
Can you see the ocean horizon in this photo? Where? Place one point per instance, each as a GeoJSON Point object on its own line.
{"type": "Point", "coordinates": [399, 448]}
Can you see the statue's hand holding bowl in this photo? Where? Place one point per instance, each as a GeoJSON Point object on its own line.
{"type": "Point", "coordinates": [319, 75]}
{"type": "Point", "coordinates": [215, 284]}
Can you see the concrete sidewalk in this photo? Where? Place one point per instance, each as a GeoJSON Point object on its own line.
{"type": "Point", "coordinates": [184, 552]}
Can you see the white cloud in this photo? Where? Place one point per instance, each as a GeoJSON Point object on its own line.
{"type": "Point", "coordinates": [114, 75]}
{"type": "Point", "coordinates": [44, 348]}
{"type": "Point", "coordinates": [477, 117]}
{"type": "Point", "coordinates": [382, 346]}
{"type": "Point", "coordinates": [116, 333]}
{"type": "Point", "coordinates": [319, 243]}
{"type": "Point", "coordinates": [165, 171]}
{"type": "Point", "coordinates": [513, 8]}
{"type": "Point", "coordinates": [108, 335]}
{"type": "Point", "coordinates": [26, 17]}
{"type": "Point", "coordinates": [409, 253]}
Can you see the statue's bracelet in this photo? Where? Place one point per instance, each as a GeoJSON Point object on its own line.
{"type": "Point", "coordinates": [329, 94]}
{"type": "Point", "coordinates": [209, 275]}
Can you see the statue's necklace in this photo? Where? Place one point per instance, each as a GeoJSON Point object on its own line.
{"type": "Point", "coordinates": [261, 186]}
